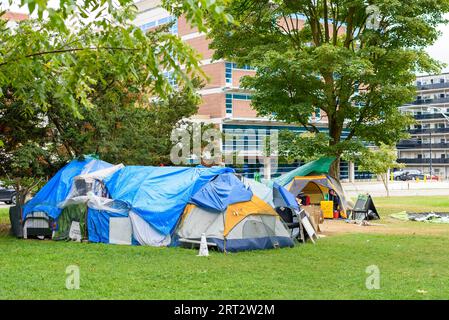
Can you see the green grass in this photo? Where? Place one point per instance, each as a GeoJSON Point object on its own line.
{"type": "Point", "coordinates": [4, 215]}
{"type": "Point", "coordinates": [334, 268]}
{"type": "Point", "coordinates": [412, 204]}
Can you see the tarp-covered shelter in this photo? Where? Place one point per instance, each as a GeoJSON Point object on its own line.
{"type": "Point", "coordinates": [143, 206]}
{"type": "Point", "coordinates": [158, 195]}
{"type": "Point", "coordinates": [56, 190]}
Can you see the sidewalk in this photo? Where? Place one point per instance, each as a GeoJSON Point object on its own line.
{"type": "Point", "coordinates": [398, 188]}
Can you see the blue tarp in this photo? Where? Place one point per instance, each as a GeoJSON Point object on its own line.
{"type": "Point", "coordinates": [159, 194]}
{"type": "Point", "coordinates": [56, 190]}
{"type": "Point", "coordinates": [98, 220]}
{"type": "Point", "coordinates": [224, 190]}
{"type": "Point", "coordinates": [283, 198]}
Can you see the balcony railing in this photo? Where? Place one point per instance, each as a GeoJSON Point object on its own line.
{"type": "Point", "coordinates": [430, 86]}
{"type": "Point", "coordinates": [424, 161]}
{"type": "Point", "coordinates": [429, 116]}
{"type": "Point", "coordinates": [432, 130]}
{"type": "Point", "coordinates": [431, 101]}
{"type": "Point", "coordinates": [417, 145]}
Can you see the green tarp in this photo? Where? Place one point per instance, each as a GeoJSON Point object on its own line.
{"type": "Point", "coordinates": [71, 213]}
{"type": "Point", "coordinates": [320, 166]}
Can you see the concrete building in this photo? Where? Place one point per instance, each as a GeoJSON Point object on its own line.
{"type": "Point", "coordinates": [428, 148]}
{"type": "Point", "coordinates": [224, 102]}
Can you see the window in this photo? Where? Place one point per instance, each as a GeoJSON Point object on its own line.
{"type": "Point", "coordinates": [228, 72]}
{"type": "Point", "coordinates": [441, 80]}
{"type": "Point", "coordinates": [443, 156]}
{"type": "Point", "coordinates": [419, 156]}
{"type": "Point", "coordinates": [152, 24]}
{"type": "Point", "coordinates": [228, 103]}
{"type": "Point", "coordinates": [229, 66]}
{"type": "Point", "coordinates": [442, 95]}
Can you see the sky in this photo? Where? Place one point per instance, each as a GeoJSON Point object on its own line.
{"type": "Point", "coordinates": [439, 51]}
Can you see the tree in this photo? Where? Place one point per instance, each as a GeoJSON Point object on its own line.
{"type": "Point", "coordinates": [124, 126]}
{"type": "Point", "coordinates": [379, 161]}
{"type": "Point", "coordinates": [330, 57]}
{"type": "Point", "coordinates": [67, 91]}
{"type": "Point", "coordinates": [26, 157]}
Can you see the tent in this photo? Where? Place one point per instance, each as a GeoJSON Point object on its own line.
{"type": "Point", "coordinates": [317, 188]}
{"type": "Point", "coordinates": [317, 167]}
{"type": "Point", "coordinates": [245, 225]}
{"type": "Point", "coordinates": [313, 179]}
{"type": "Point", "coordinates": [55, 191]}
{"type": "Point", "coordinates": [232, 218]}
{"type": "Point", "coordinates": [158, 195]}
{"type": "Point", "coordinates": [145, 203]}
{"type": "Point", "coordinates": [259, 189]}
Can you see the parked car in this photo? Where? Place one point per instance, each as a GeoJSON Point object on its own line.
{"type": "Point", "coordinates": [7, 195]}
{"type": "Point", "coordinates": [405, 175]}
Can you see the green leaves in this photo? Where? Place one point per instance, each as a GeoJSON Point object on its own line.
{"type": "Point", "coordinates": [323, 54]}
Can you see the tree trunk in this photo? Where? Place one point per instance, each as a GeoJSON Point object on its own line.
{"type": "Point", "coordinates": [335, 169]}
{"type": "Point", "coordinates": [335, 131]}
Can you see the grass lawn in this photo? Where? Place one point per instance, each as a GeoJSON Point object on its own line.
{"type": "Point", "coordinates": [411, 267]}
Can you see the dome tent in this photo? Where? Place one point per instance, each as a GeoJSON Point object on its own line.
{"type": "Point", "coordinates": [245, 223]}
{"type": "Point", "coordinates": [313, 179]}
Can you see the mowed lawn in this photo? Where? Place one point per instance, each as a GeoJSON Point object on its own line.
{"type": "Point", "coordinates": [411, 267]}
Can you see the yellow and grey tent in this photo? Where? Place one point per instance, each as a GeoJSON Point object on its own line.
{"type": "Point", "coordinates": [317, 187]}
{"type": "Point", "coordinates": [247, 225]}
{"type": "Point", "coordinates": [313, 179]}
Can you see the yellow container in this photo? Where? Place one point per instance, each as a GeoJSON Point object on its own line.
{"type": "Point", "coordinates": [327, 207]}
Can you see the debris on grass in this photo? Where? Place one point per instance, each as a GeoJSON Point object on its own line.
{"type": "Point", "coordinates": [431, 217]}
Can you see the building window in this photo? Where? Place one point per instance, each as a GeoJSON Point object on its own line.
{"type": "Point", "coordinates": [228, 103]}
{"type": "Point", "coordinates": [156, 23]}
{"type": "Point", "coordinates": [441, 80]}
{"type": "Point", "coordinates": [229, 66]}
{"type": "Point", "coordinates": [228, 72]}
{"type": "Point", "coordinates": [234, 96]}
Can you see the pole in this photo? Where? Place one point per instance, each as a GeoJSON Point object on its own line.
{"type": "Point", "coordinates": [430, 144]}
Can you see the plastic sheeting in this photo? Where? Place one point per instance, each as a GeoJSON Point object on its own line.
{"type": "Point", "coordinates": [159, 194]}
{"type": "Point", "coordinates": [261, 190]}
{"type": "Point", "coordinates": [56, 190]}
{"type": "Point", "coordinates": [222, 191]}
{"type": "Point", "coordinates": [283, 198]}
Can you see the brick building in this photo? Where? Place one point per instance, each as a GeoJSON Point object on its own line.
{"type": "Point", "coordinates": [224, 102]}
